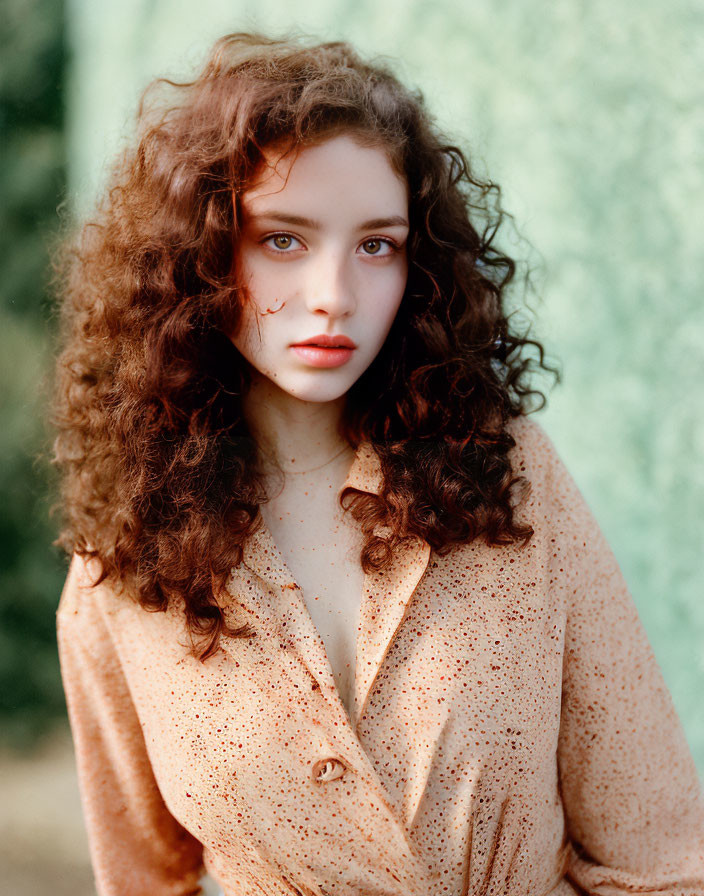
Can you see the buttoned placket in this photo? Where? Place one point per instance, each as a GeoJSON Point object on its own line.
{"type": "Point", "coordinates": [385, 601]}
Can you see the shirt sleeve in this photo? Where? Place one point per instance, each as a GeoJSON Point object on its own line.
{"type": "Point", "coordinates": [136, 845]}
{"type": "Point", "coordinates": [632, 798]}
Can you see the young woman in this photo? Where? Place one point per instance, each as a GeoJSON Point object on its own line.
{"type": "Point", "coordinates": [337, 620]}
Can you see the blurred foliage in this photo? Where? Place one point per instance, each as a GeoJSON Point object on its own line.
{"type": "Point", "coordinates": [32, 183]}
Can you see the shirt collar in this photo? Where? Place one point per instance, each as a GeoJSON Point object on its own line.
{"type": "Point", "coordinates": [365, 473]}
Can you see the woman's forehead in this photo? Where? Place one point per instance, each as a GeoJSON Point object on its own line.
{"type": "Point", "coordinates": [341, 167]}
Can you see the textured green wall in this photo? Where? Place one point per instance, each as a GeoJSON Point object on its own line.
{"type": "Point", "coordinates": [591, 118]}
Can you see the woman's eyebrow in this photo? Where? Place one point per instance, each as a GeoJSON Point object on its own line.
{"type": "Point", "coordinates": [301, 221]}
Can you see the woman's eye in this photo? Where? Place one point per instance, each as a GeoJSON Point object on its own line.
{"type": "Point", "coordinates": [378, 247]}
{"type": "Point", "coordinates": [281, 242]}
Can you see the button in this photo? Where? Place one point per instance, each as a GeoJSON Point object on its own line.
{"type": "Point", "coordinates": [329, 769]}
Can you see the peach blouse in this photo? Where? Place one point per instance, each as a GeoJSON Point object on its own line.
{"type": "Point", "coordinates": [511, 733]}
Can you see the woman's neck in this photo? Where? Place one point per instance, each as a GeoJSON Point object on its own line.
{"type": "Point", "coordinates": [293, 435]}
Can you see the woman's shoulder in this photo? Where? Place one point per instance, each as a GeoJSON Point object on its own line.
{"type": "Point", "coordinates": [90, 609]}
{"type": "Point", "coordinates": [535, 457]}
{"type": "Point", "coordinates": [530, 436]}
{"type": "Point", "coordinates": [534, 454]}
{"type": "Point", "coordinates": [83, 597]}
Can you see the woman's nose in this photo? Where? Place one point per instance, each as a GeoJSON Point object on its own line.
{"type": "Point", "coordinates": [330, 286]}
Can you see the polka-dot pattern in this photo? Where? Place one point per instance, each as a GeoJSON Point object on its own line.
{"type": "Point", "coordinates": [511, 731]}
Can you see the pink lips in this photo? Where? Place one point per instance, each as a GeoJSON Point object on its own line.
{"type": "Point", "coordinates": [325, 351]}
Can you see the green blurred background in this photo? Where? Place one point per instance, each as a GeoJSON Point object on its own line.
{"type": "Point", "coordinates": [589, 116]}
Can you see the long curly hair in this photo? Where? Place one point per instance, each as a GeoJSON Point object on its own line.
{"type": "Point", "coordinates": [158, 473]}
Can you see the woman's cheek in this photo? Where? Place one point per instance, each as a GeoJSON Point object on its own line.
{"type": "Point", "coordinates": [390, 298]}
{"type": "Point", "coordinates": [274, 282]}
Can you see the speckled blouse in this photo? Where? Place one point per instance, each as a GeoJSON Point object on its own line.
{"type": "Point", "coordinates": [511, 731]}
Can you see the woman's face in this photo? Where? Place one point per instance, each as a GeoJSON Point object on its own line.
{"type": "Point", "coordinates": [323, 245]}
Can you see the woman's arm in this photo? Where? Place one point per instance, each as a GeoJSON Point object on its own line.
{"type": "Point", "coordinates": [136, 845]}
{"type": "Point", "coordinates": [633, 801]}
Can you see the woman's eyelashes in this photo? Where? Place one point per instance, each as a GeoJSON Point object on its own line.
{"type": "Point", "coordinates": [280, 242]}
{"type": "Point", "coordinates": [286, 243]}
{"type": "Point", "coordinates": [374, 246]}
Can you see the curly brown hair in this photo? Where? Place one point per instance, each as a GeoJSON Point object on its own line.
{"type": "Point", "coordinates": [158, 471]}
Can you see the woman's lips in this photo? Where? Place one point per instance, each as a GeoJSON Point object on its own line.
{"type": "Point", "coordinates": [318, 356]}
